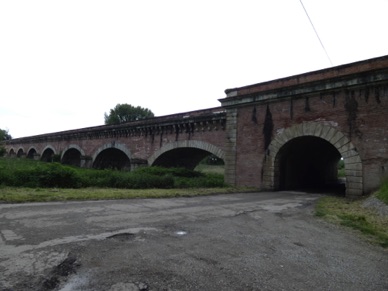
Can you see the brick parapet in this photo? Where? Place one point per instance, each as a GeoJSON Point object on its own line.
{"type": "Point", "coordinates": [193, 121]}
{"type": "Point", "coordinates": [361, 69]}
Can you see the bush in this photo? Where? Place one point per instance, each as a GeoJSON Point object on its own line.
{"type": "Point", "coordinates": [3, 151]}
{"type": "Point", "coordinates": [50, 175]}
{"type": "Point", "coordinates": [205, 181]}
{"type": "Point", "coordinates": [138, 181]}
{"type": "Point", "coordinates": [176, 172]}
{"type": "Point", "coordinates": [29, 173]}
{"type": "Point", "coordinates": [57, 175]}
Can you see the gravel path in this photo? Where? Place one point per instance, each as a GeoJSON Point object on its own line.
{"type": "Point", "coordinates": [376, 204]}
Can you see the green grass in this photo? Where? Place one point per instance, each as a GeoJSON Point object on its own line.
{"type": "Point", "coordinates": [24, 180]}
{"type": "Point", "coordinates": [35, 174]}
{"type": "Point", "coordinates": [382, 193]}
{"type": "Point", "coordinates": [341, 169]}
{"type": "Point", "coordinates": [351, 214]}
{"type": "Point", "coordinates": [211, 169]}
{"type": "Point", "coordinates": [22, 195]}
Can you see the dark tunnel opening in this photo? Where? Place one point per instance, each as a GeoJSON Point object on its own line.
{"type": "Point", "coordinates": [31, 154]}
{"type": "Point", "coordinates": [309, 164]}
{"type": "Point", "coordinates": [113, 159]}
{"type": "Point", "coordinates": [72, 157]}
{"type": "Point", "coordinates": [47, 155]}
{"type": "Point", "coordinates": [188, 158]}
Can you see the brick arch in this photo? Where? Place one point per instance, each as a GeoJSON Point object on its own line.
{"type": "Point", "coordinates": [352, 160]}
{"type": "Point", "coordinates": [187, 144]}
{"type": "Point", "coordinates": [32, 148]}
{"type": "Point", "coordinates": [44, 157]}
{"type": "Point", "coordinates": [11, 152]}
{"type": "Point", "coordinates": [23, 152]}
{"type": "Point", "coordinates": [49, 147]}
{"type": "Point", "coordinates": [72, 146]}
{"type": "Point", "coordinates": [113, 145]}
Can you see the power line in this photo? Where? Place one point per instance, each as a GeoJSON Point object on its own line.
{"type": "Point", "coordinates": [316, 33]}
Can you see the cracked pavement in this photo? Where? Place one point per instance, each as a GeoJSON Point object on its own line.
{"type": "Point", "coordinates": [252, 241]}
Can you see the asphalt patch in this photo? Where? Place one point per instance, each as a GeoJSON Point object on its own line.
{"type": "Point", "coordinates": [125, 236]}
{"type": "Point", "coordinates": [59, 273]}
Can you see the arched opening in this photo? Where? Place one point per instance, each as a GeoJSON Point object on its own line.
{"type": "Point", "coordinates": [308, 163]}
{"type": "Point", "coordinates": [20, 153]}
{"type": "Point", "coordinates": [112, 158]}
{"type": "Point", "coordinates": [182, 157]}
{"type": "Point", "coordinates": [12, 153]}
{"type": "Point", "coordinates": [187, 154]}
{"type": "Point", "coordinates": [47, 155]}
{"type": "Point", "coordinates": [352, 162]}
{"type": "Point", "coordinates": [211, 164]}
{"type": "Point", "coordinates": [31, 153]}
{"type": "Point", "coordinates": [72, 157]}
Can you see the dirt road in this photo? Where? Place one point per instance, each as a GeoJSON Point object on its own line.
{"type": "Point", "coordinates": [256, 241]}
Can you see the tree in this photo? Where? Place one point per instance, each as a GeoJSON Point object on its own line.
{"type": "Point", "coordinates": [125, 113]}
{"type": "Point", "coordinates": [4, 135]}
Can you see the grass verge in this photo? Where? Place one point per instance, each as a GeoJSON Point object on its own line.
{"type": "Point", "coordinates": [22, 195]}
{"type": "Point", "coordinates": [382, 193]}
{"type": "Point", "coordinates": [352, 214]}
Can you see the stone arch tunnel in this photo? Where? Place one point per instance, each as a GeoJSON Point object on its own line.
{"type": "Point", "coordinates": [187, 154]}
{"type": "Point", "coordinates": [307, 162]}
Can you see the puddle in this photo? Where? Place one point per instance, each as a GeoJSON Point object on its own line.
{"type": "Point", "coordinates": [181, 232]}
{"type": "Point", "coordinates": [75, 283]}
{"type": "Point", "coordinates": [125, 236]}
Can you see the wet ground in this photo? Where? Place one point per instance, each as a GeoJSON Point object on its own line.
{"type": "Point", "coordinates": [255, 241]}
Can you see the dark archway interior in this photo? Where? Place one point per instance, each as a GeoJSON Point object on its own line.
{"type": "Point", "coordinates": [112, 158]}
{"type": "Point", "coordinates": [47, 155]}
{"type": "Point", "coordinates": [72, 157]}
{"type": "Point", "coordinates": [20, 153]}
{"type": "Point", "coordinates": [187, 158]}
{"type": "Point", "coordinates": [31, 154]}
{"type": "Point", "coordinates": [308, 163]}
{"type": "Point", "coordinates": [11, 153]}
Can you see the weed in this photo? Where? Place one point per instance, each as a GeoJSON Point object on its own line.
{"type": "Point", "coordinates": [352, 214]}
{"type": "Point", "coordinates": [382, 193]}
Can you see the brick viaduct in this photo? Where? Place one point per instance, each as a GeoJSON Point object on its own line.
{"type": "Point", "coordinates": [288, 133]}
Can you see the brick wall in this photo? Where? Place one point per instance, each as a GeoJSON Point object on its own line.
{"type": "Point", "coordinates": [351, 99]}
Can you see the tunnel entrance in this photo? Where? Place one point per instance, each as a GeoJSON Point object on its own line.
{"type": "Point", "coordinates": [31, 153]}
{"type": "Point", "coordinates": [112, 158]}
{"type": "Point", "coordinates": [12, 153]}
{"type": "Point", "coordinates": [187, 158]}
{"type": "Point", "coordinates": [20, 153]}
{"type": "Point", "coordinates": [308, 163]}
{"type": "Point", "coordinates": [72, 157]}
{"type": "Point", "coordinates": [47, 155]}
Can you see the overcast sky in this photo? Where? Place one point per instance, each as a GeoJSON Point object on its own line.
{"type": "Point", "coordinates": [63, 64]}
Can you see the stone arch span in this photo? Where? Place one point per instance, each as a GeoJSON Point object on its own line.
{"type": "Point", "coordinates": [176, 154]}
{"type": "Point", "coordinates": [32, 153]}
{"type": "Point", "coordinates": [72, 155]}
{"type": "Point", "coordinates": [21, 152]}
{"type": "Point", "coordinates": [48, 154]}
{"type": "Point", "coordinates": [112, 155]}
{"type": "Point", "coordinates": [330, 135]}
{"type": "Point", "coordinates": [11, 153]}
